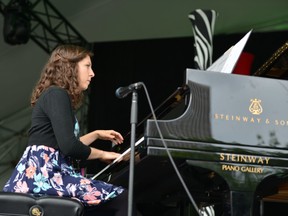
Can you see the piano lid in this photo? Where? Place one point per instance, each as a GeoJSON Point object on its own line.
{"type": "Point", "coordinates": [277, 65]}
{"type": "Point", "coordinates": [232, 109]}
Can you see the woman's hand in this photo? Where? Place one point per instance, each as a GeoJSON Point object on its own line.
{"type": "Point", "coordinates": [109, 157]}
{"type": "Point", "coordinates": [114, 136]}
{"type": "Point", "coordinates": [105, 156]}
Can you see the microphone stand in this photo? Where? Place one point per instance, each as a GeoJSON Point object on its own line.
{"type": "Point", "coordinates": [133, 122]}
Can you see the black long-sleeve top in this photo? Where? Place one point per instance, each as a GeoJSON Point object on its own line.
{"type": "Point", "coordinates": [53, 124]}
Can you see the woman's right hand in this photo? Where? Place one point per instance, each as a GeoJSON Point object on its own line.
{"type": "Point", "coordinates": [108, 157]}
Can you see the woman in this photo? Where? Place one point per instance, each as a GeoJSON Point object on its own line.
{"type": "Point", "coordinates": [45, 166]}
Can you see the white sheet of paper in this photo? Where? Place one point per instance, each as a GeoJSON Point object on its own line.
{"type": "Point", "coordinates": [227, 62]}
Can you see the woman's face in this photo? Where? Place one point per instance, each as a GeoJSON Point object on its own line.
{"type": "Point", "coordinates": [85, 73]}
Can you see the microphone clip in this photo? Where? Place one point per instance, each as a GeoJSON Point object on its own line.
{"type": "Point", "coordinates": [122, 92]}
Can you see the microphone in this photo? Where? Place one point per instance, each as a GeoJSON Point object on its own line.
{"type": "Point", "coordinates": [122, 92]}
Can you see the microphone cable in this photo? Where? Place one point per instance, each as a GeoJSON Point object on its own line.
{"type": "Point", "coordinates": [168, 152]}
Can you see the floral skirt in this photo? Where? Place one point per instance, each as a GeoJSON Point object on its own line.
{"type": "Point", "coordinates": [45, 171]}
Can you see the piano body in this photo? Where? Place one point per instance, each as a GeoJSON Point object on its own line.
{"type": "Point", "coordinates": [226, 133]}
{"type": "Point", "coordinates": [235, 126]}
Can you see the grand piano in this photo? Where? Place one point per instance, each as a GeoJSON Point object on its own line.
{"type": "Point", "coordinates": [227, 136]}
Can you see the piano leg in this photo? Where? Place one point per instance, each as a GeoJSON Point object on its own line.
{"type": "Point", "coordinates": [242, 203]}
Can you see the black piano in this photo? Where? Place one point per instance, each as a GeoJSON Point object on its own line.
{"type": "Point", "coordinates": [227, 136]}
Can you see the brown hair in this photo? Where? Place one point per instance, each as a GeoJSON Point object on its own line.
{"type": "Point", "coordinates": [61, 70]}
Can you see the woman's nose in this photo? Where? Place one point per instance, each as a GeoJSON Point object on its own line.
{"type": "Point", "coordinates": [92, 73]}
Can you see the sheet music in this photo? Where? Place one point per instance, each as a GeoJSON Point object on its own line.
{"type": "Point", "coordinates": [118, 159]}
{"type": "Point", "coordinates": [228, 60]}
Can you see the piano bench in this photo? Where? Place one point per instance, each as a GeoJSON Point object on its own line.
{"type": "Point", "coordinates": [20, 204]}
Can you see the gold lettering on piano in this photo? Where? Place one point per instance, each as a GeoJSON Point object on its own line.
{"type": "Point", "coordinates": [237, 118]}
{"type": "Point", "coordinates": [281, 122]}
{"type": "Point", "coordinates": [255, 107]}
{"type": "Point", "coordinates": [244, 158]}
{"type": "Point", "coordinates": [246, 169]}
{"type": "Point", "coordinates": [226, 167]}
{"type": "Point", "coordinates": [251, 169]}
{"type": "Point", "coordinates": [250, 120]}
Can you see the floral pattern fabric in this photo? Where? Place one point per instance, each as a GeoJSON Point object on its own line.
{"type": "Point", "coordinates": [43, 170]}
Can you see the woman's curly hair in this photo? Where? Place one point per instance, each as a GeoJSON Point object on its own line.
{"type": "Point", "coordinates": [61, 70]}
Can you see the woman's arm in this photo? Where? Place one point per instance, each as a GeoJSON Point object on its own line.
{"type": "Point", "coordinates": [106, 156]}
